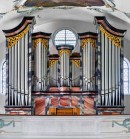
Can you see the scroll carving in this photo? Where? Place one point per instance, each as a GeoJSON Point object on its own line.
{"type": "Point", "coordinates": [43, 41]}
{"type": "Point", "coordinates": [52, 62]}
{"type": "Point", "coordinates": [13, 40]}
{"type": "Point", "coordinates": [116, 40]}
{"type": "Point", "coordinates": [85, 41]}
{"type": "Point", "coordinates": [64, 51]}
{"type": "Point", "coordinates": [76, 62]}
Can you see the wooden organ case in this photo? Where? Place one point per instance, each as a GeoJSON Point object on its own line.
{"type": "Point", "coordinates": [86, 82]}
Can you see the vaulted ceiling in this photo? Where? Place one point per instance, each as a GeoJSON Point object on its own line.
{"type": "Point", "coordinates": [46, 11]}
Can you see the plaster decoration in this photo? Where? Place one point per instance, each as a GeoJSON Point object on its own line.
{"type": "Point", "coordinates": [125, 124]}
{"type": "Point", "coordinates": [127, 14]}
{"type": "Point", "coordinates": [3, 124]}
{"type": "Point", "coordinates": [1, 15]}
{"type": "Point", "coordinates": [29, 10]}
{"type": "Point", "coordinates": [64, 7]}
{"type": "Point", "coordinates": [107, 8]}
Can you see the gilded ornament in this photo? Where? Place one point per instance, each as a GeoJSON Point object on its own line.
{"type": "Point", "coordinates": [13, 40]}
{"type": "Point", "coordinates": [62, 51]}
{"type": "Point", "coordinates": [85, 41]}
{"type": "Point", "coordinates": [76, 62]}
{"type": "Point", "coordinates": [116, 40]}
{"type": "Point", "coordinates": [43, 41]}
{"type": "Point", "coordinates": [52, 63]}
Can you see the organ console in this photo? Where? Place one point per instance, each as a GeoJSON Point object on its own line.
{"type": "Point", "coordinates": [86, 82]}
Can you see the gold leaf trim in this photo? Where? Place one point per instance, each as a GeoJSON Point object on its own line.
{"type": "Point", "coordinates": [43, 41]}
{"type": "Point", "coordinates": [76, 62]}
{"type": "Point", "coordinates": [52, 63]}
{"type": "Point", "coordinates": [116, 40]}
{"type": "Point", "coordinates": [62, 51]}
{"type": "Point", "coordinates": [85, 41]}
{"type": "Point", "coordinates": [13, 40]}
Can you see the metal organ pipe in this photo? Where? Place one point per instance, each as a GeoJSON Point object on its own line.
{"type": "Point", "coordinates": [16, 76]}
{"type": "Point", "coordinates": [19, 55]}
{"type": "Point", "coordinates": [26, 91]}
{"type": "Point", "coordinates": [64, 53]}
{"type": "Point", "coordinates": [110, 72]}
{"type": "Point", "coordinates": [88, 59]}
{"type": "Point", "coordinates": [22, 71]}
{"type": "Point", "coordinates": [12, 81]}
{"type": "Point", "coordinates": [10, 76]}
{"type": "Point", "coordinates": [119, 82]}
{"type": "Point", "coordinates": [40, 45]}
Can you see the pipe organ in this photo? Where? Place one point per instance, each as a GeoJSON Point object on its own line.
{"type": "Point", "coordinates": [85, 82]}
{"type": "Point", "coordinates": [110, 66]}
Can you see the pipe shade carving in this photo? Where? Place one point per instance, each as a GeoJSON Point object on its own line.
{"type": "Point", "coordinates": [116, 40]}
{"type": "Point", "coordinates": [43, 41]}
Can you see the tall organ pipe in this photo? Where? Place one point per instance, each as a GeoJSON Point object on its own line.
{"type": "Point", "coordinates": [88, 44]}
{"type": "Point", "coordinates": [26, 91]}
{"type": "Point", "coordinates": [40, 45]}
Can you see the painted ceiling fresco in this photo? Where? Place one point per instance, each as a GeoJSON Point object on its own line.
{"type": "Point", "coordinates": [53, 3]}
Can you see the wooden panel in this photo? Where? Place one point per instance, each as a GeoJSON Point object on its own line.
{"type": "Point", "coordinates": [76, 111]}
{"type": "Point", "coordinates": [65, 111]}
{"type": "Point", "coordinates": [52, 111]}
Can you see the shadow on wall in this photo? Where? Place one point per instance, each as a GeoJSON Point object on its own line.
{"type": "Point", "coordinates": [2, 104]}
{"type": "Point", "coordinates": [127, 104]}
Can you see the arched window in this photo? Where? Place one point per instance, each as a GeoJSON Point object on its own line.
{"type": "Point", "coordinates": [126, 75]}
{"type": "Point", "coordinates": [65, 36]}
{"type": "Point", "coordinates": [3, 77]}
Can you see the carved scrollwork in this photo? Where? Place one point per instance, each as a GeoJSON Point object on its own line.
{"type": "Point", "coordinates": [85, 41]}
{"type": "Point", "coordinates": [52, 63]}
{"type": "Point", "coordinates": [76, 62]}
{"type": "Point", "coordinates": [116, 40]}
{"type": "Point", "coordinates": [13, 40]}
{"type": "Point", "coordinates": [62, 51]}
{"type": "Point", "coordinates": [43, 41]}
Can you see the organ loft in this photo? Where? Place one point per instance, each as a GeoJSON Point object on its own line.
{"type": "Point", "coordinates": [83, 77]}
